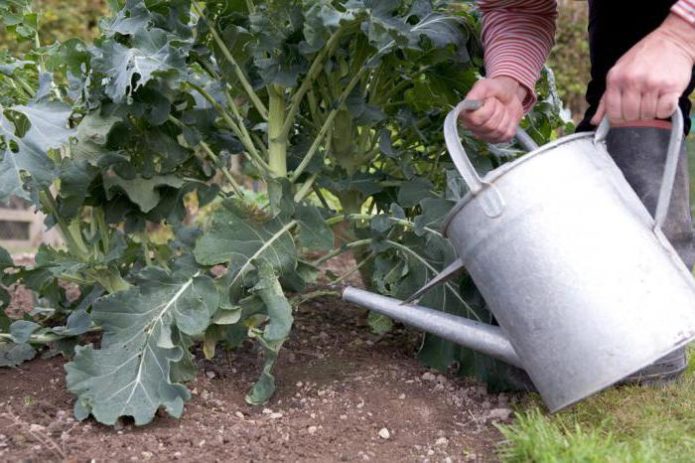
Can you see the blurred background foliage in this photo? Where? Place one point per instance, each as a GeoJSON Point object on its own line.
{"type": "Point", "coordinates": [60, 20]}
{"type": "Point", "coordinates": [569, 59]}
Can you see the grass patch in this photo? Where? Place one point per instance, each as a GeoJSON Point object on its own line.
{"type": "Point", "coordinates": [628, 424]}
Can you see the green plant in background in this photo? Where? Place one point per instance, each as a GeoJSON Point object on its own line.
{"type": "Point", "coordinates": [335, 108]}
{"type": "Point", "coordinates": [569, 58]}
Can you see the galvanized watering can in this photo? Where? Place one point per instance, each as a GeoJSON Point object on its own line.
{"type": "Point", "coordinates": [585, 287]}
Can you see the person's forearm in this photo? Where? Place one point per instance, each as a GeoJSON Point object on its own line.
{"type": "Point", "coordinates": [680, 26]}
{"type": "Point", "coordinates": [517, 37]}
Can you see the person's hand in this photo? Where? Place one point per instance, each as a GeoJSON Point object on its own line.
{"type": "Point", "coordinates": [496, 121]}
{"type": "Point", "coordinates": [647, 81]}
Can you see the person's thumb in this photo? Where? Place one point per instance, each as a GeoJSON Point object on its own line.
{"type": "Point", "coordinates": [600, 112]}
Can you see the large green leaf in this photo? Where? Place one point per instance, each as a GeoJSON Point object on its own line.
{"type": "Point", "coordinates": [313, 234]}
{"type": "Point", "coordinates": [12, 354]}
{"type": "Point", "coordinates": [49, 123]}
{"type": "Point", "coordinates": [133, 17]}
{"type": "Point", "coordinates": [93, 135]}
{"type": "Point", "coordinates": [145, 192]}
{"type": "Point", "coordinates": [244, 241]}
{"type": "Point", "coordinates": [126, 69]}
{"type": "Point", "coordinates": [131, 374]}
{"type": "Point", "coordinates": [25, 159]}
{"type": "Point", "coordinates": [277, 330]}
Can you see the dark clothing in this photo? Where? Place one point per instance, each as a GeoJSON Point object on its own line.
{"type": "Point", "coordinates": [615, 26]}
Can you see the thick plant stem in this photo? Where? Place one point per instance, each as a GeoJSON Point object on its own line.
{"type": "Point", "coordinates": [277, 140]}
{"type": "Point", "coordinates": [70, 231]}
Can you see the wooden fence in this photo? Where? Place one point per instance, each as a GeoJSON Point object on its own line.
{"type": "Point", "coordinates": [22, 228]}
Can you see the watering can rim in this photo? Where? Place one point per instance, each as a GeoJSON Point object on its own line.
{"type": "Point", "coordinates": [494, 175]}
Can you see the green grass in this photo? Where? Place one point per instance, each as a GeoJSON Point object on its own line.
{"type": "Point", "coordinates": [629, 424]}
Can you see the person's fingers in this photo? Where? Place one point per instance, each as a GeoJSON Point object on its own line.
{"type": "Point", "coordinates": [490, 130]}
{"type": "Point", "coordinates": [666, 105]}
{"type": "Point", "coordinates": [648, 106]}
{"type": "Point", "coordinates": [500, 132]}
{"type": "Point", "coordinates": [482, 119]}
{"type": "Point", "coordinates": [614, 105]}
{"type": "Point", "coordinates": [630, 103]}
{"type": "Point", "coordinates": [600, 112]}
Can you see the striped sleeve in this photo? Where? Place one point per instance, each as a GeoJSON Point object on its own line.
{"type": "Point", "coordinates": [517, 36]}
{"type": "Point", "coordinates": [685, 9]}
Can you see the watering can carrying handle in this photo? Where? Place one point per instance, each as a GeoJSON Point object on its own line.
{"type": "Point", "coordinates": [670, 168]}
{"type": "Point", "coordinates": [494, 204]}
{"type": "Point", "coordinates": [458, 154]}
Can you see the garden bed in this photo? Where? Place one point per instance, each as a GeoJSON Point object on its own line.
{"type": "Point", "coordinates": [339, 386]}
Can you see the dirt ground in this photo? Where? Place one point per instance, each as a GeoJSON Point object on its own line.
{"type": "Point", "coordinates": [344, 395]}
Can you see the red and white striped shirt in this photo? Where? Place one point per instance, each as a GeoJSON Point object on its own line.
{"type": "Point", "coordinates": [518, 36]}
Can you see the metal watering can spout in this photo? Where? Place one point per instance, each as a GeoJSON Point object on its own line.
{"type": "Point", "coordinates": [481, 337]}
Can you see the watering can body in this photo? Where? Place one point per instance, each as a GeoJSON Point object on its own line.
{"type": "Point", "coordinates": [584, 285]}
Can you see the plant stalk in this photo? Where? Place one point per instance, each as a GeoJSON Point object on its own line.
{"type": "Point", "coordinates": [344, 248]}
{"type": "Point", "coordinates": [277, 139]}
{"type": "Point", "coordinates": [246, 85]}
{"type": "Point", "coordinates": [326, 126]}
{"type": "Point", "coordinates": [70, 231]}
{"type": "Point", "coordinates": [251, 150]}
{"type": "Point", "coordinates": [314, 70]}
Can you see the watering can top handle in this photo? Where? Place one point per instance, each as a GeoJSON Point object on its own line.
{"type": "Point", "coordinates": [470, 175]}
{"type": "Point", "coordinates": [670, 167]}
{"type": "Point", "coordinates": [458, 154]}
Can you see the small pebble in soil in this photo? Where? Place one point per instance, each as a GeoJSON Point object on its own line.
{"type": "Point", "coordinates": [443, 441]}
{"type": "Point", "coordinates": [499, 414]}
{"type": "Point", "coordinates": [401, 397]}
{"type": "Point", "coordinates": [343, 417]}
{"type": "Point", "coordinates": [239, 415]}
{"type": "Point", "coordinates": [312, 429]}
{"type": "Point", "coordinates": [427, 376]}
{"type": "Point", "coordinates": [384, 433]}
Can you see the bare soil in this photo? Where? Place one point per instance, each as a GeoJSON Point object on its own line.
{"type": "Point", "coordinates": [344, 395]}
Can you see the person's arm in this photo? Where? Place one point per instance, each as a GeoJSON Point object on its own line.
{"type": "Point", "coordinates": [517, 37]}
{"type": "Point", "coordinates": [648, 80]}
